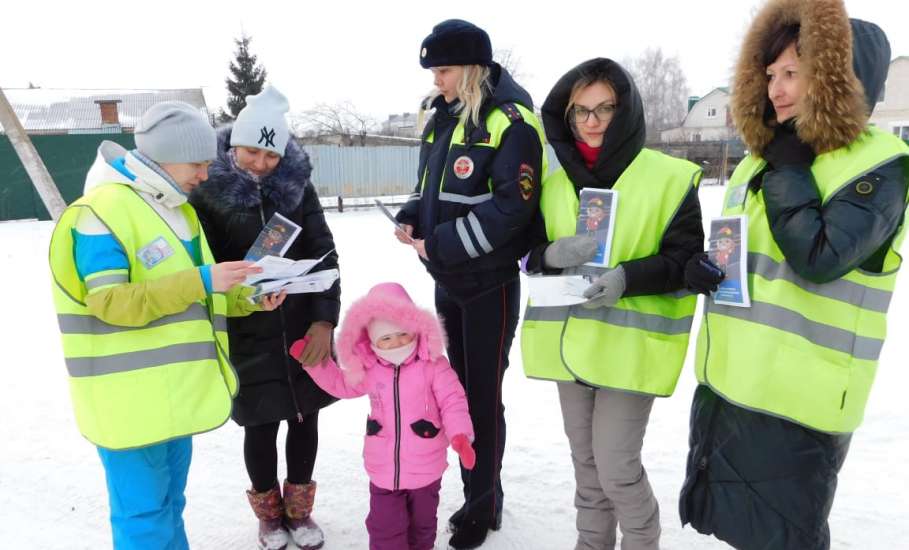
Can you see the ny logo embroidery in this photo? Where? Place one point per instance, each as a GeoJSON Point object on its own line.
{"type": "Point", "coordinates": [268, 136]}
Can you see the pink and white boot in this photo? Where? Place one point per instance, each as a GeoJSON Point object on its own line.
{"type": "Point", "coordinates": [298, 503]}
{"type": "Point", "coordinates": [269, 509]}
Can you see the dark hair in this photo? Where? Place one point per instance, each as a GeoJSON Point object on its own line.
{"type": "Point", "coordinates": [780, 40]}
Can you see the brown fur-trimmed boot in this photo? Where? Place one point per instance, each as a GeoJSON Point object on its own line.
{"type": "Point", "coordinates": [269, 508]}
{"type": "Point", "coordinates": [298, 501]}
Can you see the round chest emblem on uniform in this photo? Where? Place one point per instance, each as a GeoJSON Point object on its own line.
{"type": "Point", "coordinates": [423, 52]}
{"type": "Point", "coordinates": [463, 167]}
{"type": "Point", "coordinates": [864, 188]}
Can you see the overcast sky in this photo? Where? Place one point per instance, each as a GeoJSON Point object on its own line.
{"type": "Point", "coordinates": [366, 52]}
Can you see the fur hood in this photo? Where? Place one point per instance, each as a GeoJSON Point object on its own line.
{"type": "Point", "coordinates": [229, 188]}
{"type": "Point", "coordinates": [391, 302]}
{"type": "Point", "coordinates": [844, 62]}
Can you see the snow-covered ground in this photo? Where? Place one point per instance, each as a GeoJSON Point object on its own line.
{"type": "Point", "coordinates": [52, 491]}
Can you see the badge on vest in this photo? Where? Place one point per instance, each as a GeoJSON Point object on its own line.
{"type": "Point", "coordinates": [154, 253]}
{"type": "Point", "coordinates": [737, 196]}
{"type": "Point", "coordinates": [463, 167]}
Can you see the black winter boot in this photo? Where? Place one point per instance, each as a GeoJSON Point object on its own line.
{"type": "Point", "coordinates": [471, 534]}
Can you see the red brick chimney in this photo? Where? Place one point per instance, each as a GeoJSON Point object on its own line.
{"type": "Point", "coordinates": [110, 114]}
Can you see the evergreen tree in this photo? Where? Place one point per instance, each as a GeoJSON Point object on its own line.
{"type": "Point", "coordinates": [248, 78]}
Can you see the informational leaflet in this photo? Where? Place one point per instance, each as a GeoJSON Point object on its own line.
{"type": "Point", "coordinates": [596, 217]}
{"type": "Point", "coordinates": [274, 239]}
{"type": "Point", "coordinates": [384, 209]}
{"type": "Point", "coordinates": [727, 248]}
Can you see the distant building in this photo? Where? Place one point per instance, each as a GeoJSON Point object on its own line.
{"type": "Point", "coordinates": [708, 119]}
{"type": "Point", "coordinates": [892, 111]}
{"type": "Point", "coordinates": [51, 111]}
{"type": "Point", "coordinates": [403, 125]}
{"type": "Point", "coordinates": [66, 127]}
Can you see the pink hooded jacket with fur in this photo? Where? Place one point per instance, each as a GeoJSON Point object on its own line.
{"type": "Point", "coordinates": [416, 408]}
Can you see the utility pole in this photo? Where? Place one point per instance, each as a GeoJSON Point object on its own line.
{"type": "Point", "coordinates": [32, 162]}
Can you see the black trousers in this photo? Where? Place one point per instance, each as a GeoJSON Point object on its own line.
{"type": "Point", "coordinates": [261, 454]}
{"type": "Point", "coordinates": [480, 332]}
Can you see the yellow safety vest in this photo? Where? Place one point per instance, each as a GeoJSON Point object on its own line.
{"type": "Point", "coordinates": [803, 351]}
{"type": "Point", "coordinates": [639, 344]}
{"type": "Point", "coordinates": [137, 386]}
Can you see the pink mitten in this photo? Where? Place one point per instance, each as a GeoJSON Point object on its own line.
{"type": "Point", "coordinates": [462, 446]}
{"type": "Point", "coordinates": [296, 349]}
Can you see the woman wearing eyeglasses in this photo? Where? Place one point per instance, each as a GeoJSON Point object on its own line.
{"type": "Point", "coordinates": [612, 354]}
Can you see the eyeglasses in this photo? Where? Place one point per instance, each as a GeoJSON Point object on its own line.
{"type": "Point", "coordinates": [602, 112]}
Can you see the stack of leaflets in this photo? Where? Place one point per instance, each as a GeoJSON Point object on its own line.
{"type": "Point", "coordinates": [556, 290]}
{"type": "Point", "coordinates": [596, 217]}
{"type": "Point", "coordinates": [727, 248]}
{"type": "Point", "coordinates": [283, 274]}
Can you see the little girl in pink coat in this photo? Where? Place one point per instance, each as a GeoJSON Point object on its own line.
{"type": "Point", "coordinates": [391, 350]}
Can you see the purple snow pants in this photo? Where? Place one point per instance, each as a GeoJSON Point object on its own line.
{"type": "Point", "coordinates": [403, 519]}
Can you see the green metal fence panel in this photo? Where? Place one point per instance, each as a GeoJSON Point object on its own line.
{"type": "Point", "coordinates": [67, 157]}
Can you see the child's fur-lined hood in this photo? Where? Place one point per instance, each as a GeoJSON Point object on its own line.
{"type": "Point", "coordinates": [388, 301]}
{"type": "Point", "coordinates": [844, 62]}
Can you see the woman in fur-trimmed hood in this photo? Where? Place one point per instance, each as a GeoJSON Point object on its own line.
{"type": "Point", "coordinates": [261, 171]}
{"type": "Point", "coordinates": [784, 382]}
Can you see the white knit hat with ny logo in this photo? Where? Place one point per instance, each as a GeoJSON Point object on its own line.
{"type": "Point", "coordinates": [261, 124]}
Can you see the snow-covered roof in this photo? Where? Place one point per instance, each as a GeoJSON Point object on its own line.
{"type": "Point", "coordinates": [55, 109]}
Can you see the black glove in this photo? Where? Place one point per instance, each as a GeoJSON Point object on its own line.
{"type": "Point", "coordinates": [702, 275]}
{"type": "Point", "coordinates": [786, 149]}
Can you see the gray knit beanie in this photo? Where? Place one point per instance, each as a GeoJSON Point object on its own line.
{"type": "Point", "coordinates": [261, 124]}
{"type": "Point", "coordinates": [175, 132]}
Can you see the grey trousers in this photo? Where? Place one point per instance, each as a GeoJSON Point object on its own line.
{"type": "Point", "coordinates": [605, 430]}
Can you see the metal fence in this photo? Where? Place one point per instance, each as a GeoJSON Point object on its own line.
{"type": "Point", "coordinates": [350, 173]}
{"type": "Point", "coordinates": [363, 171]}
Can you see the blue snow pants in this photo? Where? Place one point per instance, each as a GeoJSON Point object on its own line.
{"type": "Point", "coordinates": [145, 487]}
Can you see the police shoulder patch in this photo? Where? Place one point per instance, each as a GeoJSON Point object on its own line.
{"type": "Point", "coordinates": [511, 111]}
{"type": "Point", "coordinates": [525, 181]}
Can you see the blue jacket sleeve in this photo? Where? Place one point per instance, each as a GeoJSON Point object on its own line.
{"type": "Point", "coordinates": [515, 173]}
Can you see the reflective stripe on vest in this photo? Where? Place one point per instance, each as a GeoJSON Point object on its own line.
{"type": "Point", "coordinates": [646, 336]}
{"type": "Point", "coordinates": [804, 351]}
{"type": "Point", "coordinates": [137, 386]}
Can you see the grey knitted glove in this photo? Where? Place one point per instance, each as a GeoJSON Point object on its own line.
{"type": "Point", "coordinates": [570, 251]}
{"type": "Point", "coordinates": [606, 290]}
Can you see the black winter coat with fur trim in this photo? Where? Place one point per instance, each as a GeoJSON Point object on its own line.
{"type": "Point", "coordinates": [753, 480]}
{"type": "Point", "coordinates": [232, 207]}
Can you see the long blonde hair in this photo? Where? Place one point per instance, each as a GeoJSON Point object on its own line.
{"type": "Point", "coordinates": [473, 88]}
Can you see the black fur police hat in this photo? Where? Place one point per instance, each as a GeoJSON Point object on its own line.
{"type": "Point", "coordinates": [456, 42]}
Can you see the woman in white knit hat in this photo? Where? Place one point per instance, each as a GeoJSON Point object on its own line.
{"type": "Point", "coordinates": [260, 171]}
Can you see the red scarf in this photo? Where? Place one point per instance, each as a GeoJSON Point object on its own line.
{"type": "Point", "coordinates": [588, 153]}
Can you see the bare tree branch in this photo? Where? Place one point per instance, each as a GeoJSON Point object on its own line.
{"type": "Point", "coordinates": [342, 119]}
{"type": "Point", "coordinates": [511, 63]}
{"type": "Point", "coordinates": [663, 88]}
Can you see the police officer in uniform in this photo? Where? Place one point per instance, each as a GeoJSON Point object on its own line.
{"type": "Point", "coordinates": [480, 167]}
